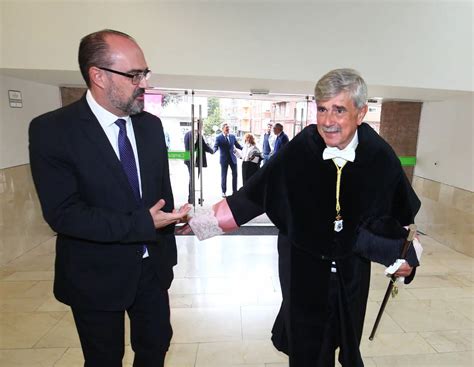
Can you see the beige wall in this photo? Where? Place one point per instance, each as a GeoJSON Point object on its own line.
{"type": "Point", "coordinates": [37, 99]}
{"type": "Point", "coordinates": [446, 214]}
{"type": "Point", "coordinates": [445, 142]}
{"type": "Point", "coordinates": [21, 223]}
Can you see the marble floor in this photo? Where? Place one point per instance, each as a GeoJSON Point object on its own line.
{"type": "Point", "coordinates": [224, 298]}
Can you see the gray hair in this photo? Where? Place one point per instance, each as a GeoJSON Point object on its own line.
{"type": "Point", "coordinates": [342, 80]}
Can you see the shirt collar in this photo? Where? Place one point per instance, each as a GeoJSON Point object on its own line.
{"type": "Point", "coordinates": [105, 117]}
{"type": "Point", "coordinates": [352, 144]}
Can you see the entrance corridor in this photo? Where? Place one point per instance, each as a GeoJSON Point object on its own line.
{"type": "Point", "coordinates": [223, 301]}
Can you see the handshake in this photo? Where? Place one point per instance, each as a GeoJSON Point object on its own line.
{"type": "Point", "coordinates": [205, 223]}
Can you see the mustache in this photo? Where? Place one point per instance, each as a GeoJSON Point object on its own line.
{"type": "Point", "coordinates": [330, 129]}
{"type": "Point", "coordinates": [138, 92]}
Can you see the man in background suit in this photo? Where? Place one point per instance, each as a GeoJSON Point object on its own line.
{"type": "Point", "coordinates": [226, 142]}
{"type": "Point", "coordinates": [187, 147]}
{"type": "Point", "coordinates": [100, 168]}
{"type": "Point", "coordinates": [268, 143]}
{"type": "Point", "coordinates": [281, 138]}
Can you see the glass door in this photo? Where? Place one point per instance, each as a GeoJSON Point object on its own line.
{"type": "Point", "coordinates": [180, 111]}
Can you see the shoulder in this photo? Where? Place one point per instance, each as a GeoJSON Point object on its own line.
{"type": "Point", "coordinates": [52, 131]}
{"type": "Point", "coordinates": [374, 148]}
{"type": "Point", "coordinates": [147, 116]}
{"type": "Point", "coordinates": [61, 113]}
{"type": "Point", "coordinates": [61, 119]}
{"type": "Point", "coordinates": [147, 121]}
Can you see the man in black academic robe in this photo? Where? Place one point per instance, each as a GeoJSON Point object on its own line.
{"type": "Point", "coordinates": [324, 283]}
{"type": "Point", "coordinates": [374, 185]}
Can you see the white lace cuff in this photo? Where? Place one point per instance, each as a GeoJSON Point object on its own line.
{"type": "Point", "coordinates": [205, 225]}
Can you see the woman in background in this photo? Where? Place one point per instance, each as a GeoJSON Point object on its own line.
{"type": "Point", "coordinates": [251, 157]}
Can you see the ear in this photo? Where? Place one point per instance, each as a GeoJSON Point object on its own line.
{"type": "Point", "coordinates": [97, 77]}
{"type": "Point", "coordinates": [361, 114]}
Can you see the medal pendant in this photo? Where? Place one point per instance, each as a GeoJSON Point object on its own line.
{"type": "Point", "coordinates": [338, 225]}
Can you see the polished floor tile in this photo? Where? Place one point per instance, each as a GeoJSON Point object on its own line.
{"type": "Point", "coordinates": [24, 329]}
{"type": "Point", "coordinates": [240, 353]}
{"type": "Point", "coordinates": [193, 325]}
{"type": "Point", "coordinates": [460, 359]}
{"type": "Point", "coordinates": [224, 299]}
{"type": "Point", "coordinates": [32, 357]}
{"type": "Point", "coordinates": [450, 341]}
{"type": "Point", "coordinates": [62, 335]}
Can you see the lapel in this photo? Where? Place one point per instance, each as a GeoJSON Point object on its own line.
{"type": "Point", "coordinates": [144, 156]}
{"type": "Point", "coordinates": [91, 127]}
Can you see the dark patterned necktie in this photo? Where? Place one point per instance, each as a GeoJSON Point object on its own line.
{"type": "Point", "coordinates": [127, 159]}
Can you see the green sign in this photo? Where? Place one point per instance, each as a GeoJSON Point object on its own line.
{"type": "Point", "coordinates": [177, 154]}
{"type": "Point", "coordinates": [407, 161]}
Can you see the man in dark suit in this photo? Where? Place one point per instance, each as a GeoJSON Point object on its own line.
{"type": "Point", "coordinates": [100, 168]}
{"type": "Point", "coordinates": [268, 143]}
{"type": "Point", "coordinates": [281, 138]}
{"type": "Point", "coordinates": [187, 146]}
{"type": "Point", "coordinates": [226, 142]}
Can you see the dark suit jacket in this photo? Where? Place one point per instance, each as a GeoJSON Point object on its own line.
{"type": "Point", "coordinates": [205, 147]}
{"type": "Point", "coordinates": [280, 141]}
{"type": "Point", "coordinates": [226, 150]}
{"type": "Point", "coordinates": [86, 198]}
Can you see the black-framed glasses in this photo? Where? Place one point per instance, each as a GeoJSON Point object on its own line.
{"type": "Point", "coordinates": [136, 78]}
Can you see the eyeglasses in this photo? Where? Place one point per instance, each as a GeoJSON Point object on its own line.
{"type": "Point", "coordinates": [136, 78]}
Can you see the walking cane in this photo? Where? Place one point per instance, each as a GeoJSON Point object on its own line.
{"type": "Point", "coordinates": [392, 288]}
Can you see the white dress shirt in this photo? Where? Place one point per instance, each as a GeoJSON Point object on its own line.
{"type": "Point", "coordinates": [107, 122]}
{"type": "Point", "coordinates": [340, 162]}
{"type": "Point", "coordinates": [343, 152]}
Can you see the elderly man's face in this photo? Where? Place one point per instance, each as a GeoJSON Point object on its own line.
{"type": "Point", "coordinates": [338, 120]}
{"type": "Point", "coordinates": [124, 97]}
{"type": "Point", "coordinates": [276, 130]}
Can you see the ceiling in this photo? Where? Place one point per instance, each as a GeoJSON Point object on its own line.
{"type": "Point", "coordinates": [226, 87]}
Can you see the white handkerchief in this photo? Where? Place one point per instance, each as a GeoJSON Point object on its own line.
{"type": "Point", "coordinates": [418, 248]}
{"type": "Point", "coordinates": [394, 267]}
{"type": "Point", "coordinates": [204, 224]}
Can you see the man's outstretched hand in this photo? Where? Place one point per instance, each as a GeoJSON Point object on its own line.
{"type": "Point", "coordinates": [162, 219]}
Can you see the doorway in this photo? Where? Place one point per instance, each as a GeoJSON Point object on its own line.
{"type": "Point", "coordinates": [200, 113]}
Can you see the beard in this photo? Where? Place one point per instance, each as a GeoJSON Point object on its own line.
{"type": "Point", "coordinates": [131, 105]}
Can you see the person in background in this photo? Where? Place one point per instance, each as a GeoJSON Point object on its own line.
{"type": "Point", "coordinates": [187, 162]}
{"type": "Point", "coordinates": [281, 139]}
{"type": "Point", "coordinates": [251, 157]}
{"type": "Point", "coordinates": [226, 143]}
{"type": "Point", "coordinates": [268, 143]}
{"type": "Point", "coordinates": [167, 140]}
{"type": "Point", "coordinates": [332, 181]}
{"type": "Point", "coordinates": [100, 168]}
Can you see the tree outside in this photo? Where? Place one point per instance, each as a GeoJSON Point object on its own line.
{"type": "Point", "coordinates": [213, 117]}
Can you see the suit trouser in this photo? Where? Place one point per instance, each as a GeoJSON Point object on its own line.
{"type": "Point", "coordinates": [102, 332]}
{"type": "Point", "coordinates": [190, 189]}
{"type": "Point", "coordinates": [233, 167]}
{"type": "Point", "coordinates": [266, 157]}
